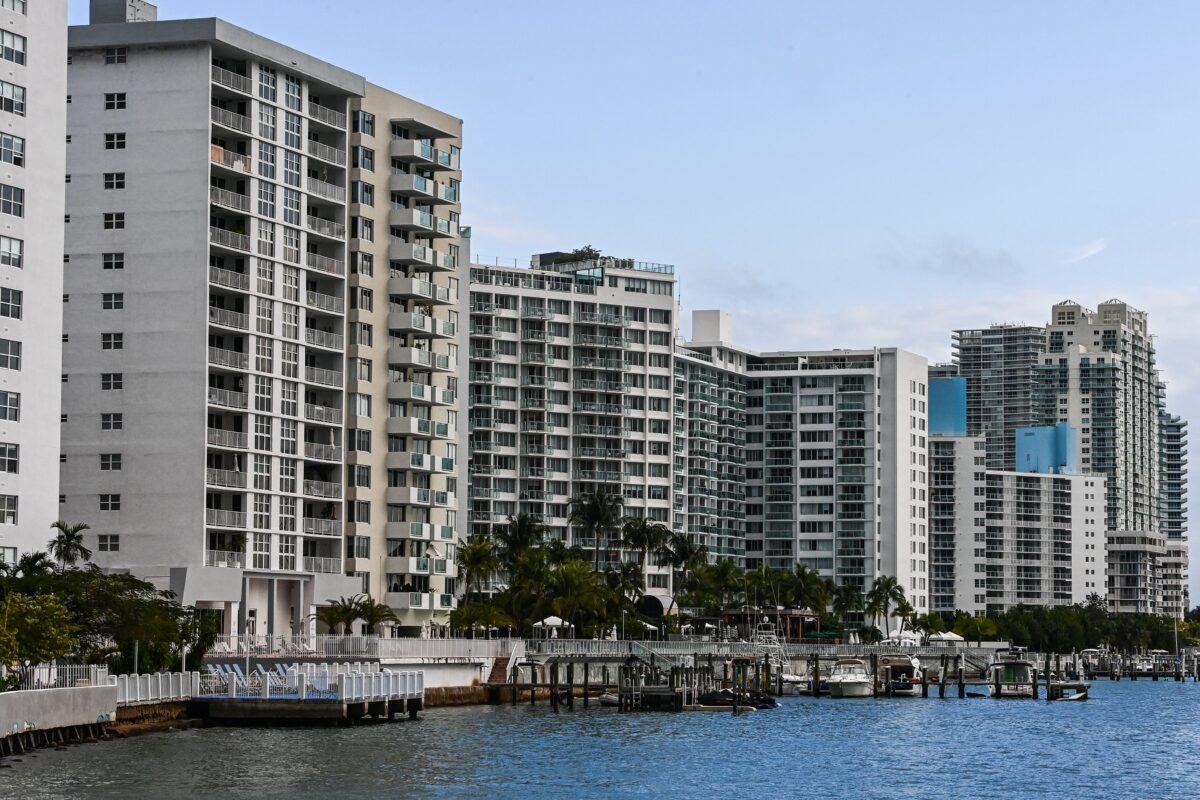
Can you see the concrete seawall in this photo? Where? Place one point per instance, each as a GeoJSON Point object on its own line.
{"type": "Point", "coordinates": [43, 709]}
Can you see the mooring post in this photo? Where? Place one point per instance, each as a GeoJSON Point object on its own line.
{"type": "Point", "coordinates": [962, 686]}
{"type": "Point", "coordinates": [586, 682]}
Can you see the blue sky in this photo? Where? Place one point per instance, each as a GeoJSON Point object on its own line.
{"type": "Point", "coordinates": [834, 174]}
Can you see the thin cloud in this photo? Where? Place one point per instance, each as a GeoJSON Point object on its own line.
{"type": "Point", "coordinates": [1092, 248]}
{"type": "Point", "coordinates": [959, 259]}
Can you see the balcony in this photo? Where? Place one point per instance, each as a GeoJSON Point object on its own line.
{"type": "Point", "coordinates": [326, 227]}
{"type": "Point", "coordinates": [228, 319]}
{"type": "Point", "coordinates": [226, 398]}
{"type": "Point", "coordinates": [229, 279]}
{"type": "Point", "coordinates": [316, 451]}
{"type": "Point", "coordinates": [328, 116]}
{"type": "Point", "coordinates": [407, 565]}
{"type": "Point", "coordinates": [325, 302]}
{"type": "Point", "coordinates": [222, 518]}
{"type": "Point", "coordinates": [322, 527]}
{"type": "Point", "coordinates": [418, 289]}
{"type": "Point", "coordinates": [231, 120]}
{"type": "Point", "coordinates": [230, 359]}
{"type": "Point", "coordinates": [230, 239]}
{"type": "Point", "coordinates": [413, 151]}
{"type": "Point", "coordinates": [226, 478]}
{"type": "Point", "coordinates": [228, 199]}
{"type": "Point", "coordinates": [332, 155]}
{"type": "Point", "coordinates": [323, 565]}
{"type": "Point", "coordinates": [324, 377]}
{"type": "Point", "coordinates": [232, 80]}
{"type": "Point", "coordinates": [224, 558]}
{"type": "Point", "coordinates": [229, 159]}
{"type": "Point", "coordinates": [408, 601]}
{"type": "Point", "coordinates": [420, 428]}
{"type": "Point", "coordinates": [425, 223]}
{"type": "Point", "coordinates": [326, 190]}
{"type": "Point", "coordinates": [414, 322]}
{"type": "Point", "coordinates": [219, 437]}
{"type": "Point", "coordinates": [418, 359]}
{"type": "Point", "coordinates": [314, 337]}
{"type": "Point", "coordinates": [326, 264]}
{"type": "Point", "coordinates": [409, 185]}
{"type": "Point", "coordinates": [325, 415]}
{"type": "Point", "coordinates": [325, 489]}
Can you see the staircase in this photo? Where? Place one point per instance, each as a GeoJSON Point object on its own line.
{"type": "Point", "coordinates": [499, 672]}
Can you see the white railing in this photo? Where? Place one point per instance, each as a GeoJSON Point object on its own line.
{"type": "Point", "coordinates": [327, 264]}
{"type": "Point", "coordinates": [320, 338]}
{"type": "Point", "coordinates": [224, 518]}
{"type": "Point", "coordinates": [325, 302]}
{"type": "Point", "coordinates": [220, 437]}
{"type": "Point", "coordinates": [227, 277]}
{"type": "Point", "coordinates": [230, 159]}
{"type": "Point", "coordinates": [160, 687]}
{"type": "Point", "coordinates": [325, 377]}
{"type": "Point", "coordinates": [323, 489]}
{"type": "Point", "coordinates": [329, 566]}
{"type": "Point", "coordinates": [227, 398]}
{"type": "Point", "coordinates": [386, 649]}
{"type": "Point", "coordinates": [333, 155]}
{"type": "Point", "coordinates": [232, 79]}
{"type": "Point", "coordinates": [225, 477]}
{"type": "Point", "coordinates": [344, 682]}
{"type": "Point", "coordinates": [230, 119]}
{"type": "Point", "coordinates": [224, 558]}
{"type": "Point", "coordinates": [326, 227]}
{"type": "Point", "coordinates": [228, 358]}
{"type": "Point", "coordinates": [224, 197]}
{"type": "Point", "coordinates": [322, 452]}
{"type": "Point", "coordinates": [324, 414]}
{"type": "Point", "coordinates": [330, 191]}
{"type": "Point", "coordinates": [400, 649]}
{"type": "Point", "coordinates": [58, 676]}
{"type": "Point", "coordinates": [230, 319]}
{"type": "Point", "coordinates": [327, 115]}
{"type": "Point", "coordinates": [323, 527]}
{"type": "Point", "coordinates": [231, 239]}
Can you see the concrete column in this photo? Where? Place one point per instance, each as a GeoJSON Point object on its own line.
{"type": "Point", "coordinates": [272, 587]}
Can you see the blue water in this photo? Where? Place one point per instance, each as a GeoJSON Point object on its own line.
{"type": "Point", "coordinates": [1131, 740]}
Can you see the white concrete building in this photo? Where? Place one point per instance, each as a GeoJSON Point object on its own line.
{"type": "Point", "coordinates": [571, 389]}
{"type": "Point", "coordinates": [204, 356]}
{"type": "Point", "coordinates": [1173, 433]}
{"type": "Point", "coordinates": [957, 519]}
{"type": "Point", "coordinates": [33, 125]}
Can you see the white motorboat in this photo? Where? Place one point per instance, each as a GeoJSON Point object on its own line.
{"type": "Point", "coordinates": [849, 678]}
{"type": "Point", "coordinates": [794, 684]}
{"type": "Point", "coordinates": [609, 699]}
{"type": "Point", "coordinates": [1012, 678]}
{"type": "Point", "coordinates": [901, 675]}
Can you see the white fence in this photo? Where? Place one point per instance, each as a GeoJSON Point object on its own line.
{"type": "Point", "coordinates": [389, 649]}
{"type": "Point", "coordinates": [159, 687]}
{"type": "Point", "coordinates": [343, 682]}
{"type": "Point", "coordinates": [60, 676]}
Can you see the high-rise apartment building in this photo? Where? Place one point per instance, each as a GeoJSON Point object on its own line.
{"type": "Point", "coordinates": [836, 475]}
{"type": "Point", "coordinates": [1173, 488]}
{"type": "Point", "coordinates": [210, 221]}
{"type": "Point", "coordinates": [998, 363]}
{"type": "Point", "coordinates": [403, 437]}
{"type": "Point", "coordinates": [710, 439]}
{"type": "Point", "coordinates": [957, 518]}
{"type": "Point", "coordinates": [33, 97]}
{"type": "Point", "coordinates": [571, 390]}
{"type": "Point", "coordinates": [1099, 375]}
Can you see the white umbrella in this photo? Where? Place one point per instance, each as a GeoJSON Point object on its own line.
{"type": "Point", "coordinates": [550, 622]}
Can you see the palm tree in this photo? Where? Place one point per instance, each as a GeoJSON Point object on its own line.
{"type": "Point", "coordinates": [573, 593]}
{"type": "Point", "coordinates": [33, 564]}
{"type": "Point", "coordinates": [906, 613]}
{"type": "Point", "coordinates": [846, 599]}
{"type": "Point", "coordinates": [626, 581]}
{"type": "Point", "coordinates": [885, 592]}
{"type": "Point", "coordinates": [374, 613]}
{"type": "Point", "coordinates": [67, 545]}
{"type": "Point", "coordinates": [523, 532]}
{"type": "Point", "coordinates": [479, 562]}
{"type": "Point", "coordinates": [807, 589]}
{"type": "Point", "coordinates": [646, 537]}
{"type": "Point", "coordinates": [598, 513]}
{"type": "Point", "coordinates": [684, 556]}
{"type": "Point", "coordinates": [725, 580]}
{"type": "Point", "coordinates": [340, 614]}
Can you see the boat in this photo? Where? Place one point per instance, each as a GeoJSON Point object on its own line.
{"type": "Point", "coordinates": [905, 673]}
{"type": "Point", "coordinates": [1011, 678]}
{"type": "Point", "coordinates": [609, 699]}
{"type": "Point", "coordinates": [849, 678]}
{"type": "Point", "coordinates": [795, 684]}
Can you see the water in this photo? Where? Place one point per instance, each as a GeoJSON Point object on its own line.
{"type": "Point", "coordinates": [1131, 740]}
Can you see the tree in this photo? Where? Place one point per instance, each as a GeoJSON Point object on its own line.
{"type": "Point", "coordinates": [846, 599]}
{"type": "Point", "coordinates": [522, 532]}
{"type": "Point", "coordinates": [34, 629]}
{"type": "Point", "coordinates": [339, 615]}
{"type": "Point", "coordinates": [885, 592]}
{"type": "Point", "coordinates": [67, 546]}
{"type": "Point", "coordinates": [807, 589]}
{"type": "Point", "coordinates": [479, 562]}
{"type": "Point", "coordinates": [684, 556]}
{"type": "Point", "coordinates": [646, 537]}
{"type": "Point", "coordinates": [977, 628]}
{"type": "Point", "coordinates": [905, 612]}
{"type": "Point", "coordinates": [573, 593]}
{"type": "Point", "coordinates": [374, 613]}
{"type": "Point", "coordinates": [598, 513]}
{"type": "Point", "coordinates": [34, 564]}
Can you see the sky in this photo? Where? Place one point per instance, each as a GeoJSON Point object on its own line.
{"type": "Point", "coordinates": [834, 174]}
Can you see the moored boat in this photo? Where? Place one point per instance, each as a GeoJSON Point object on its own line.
{"type": "Point", "coordinates": [849, 678]}
{"type": "Point", "coordinates": [1011, 678]}
{"type": "Point", "coordinates": [900, 675]}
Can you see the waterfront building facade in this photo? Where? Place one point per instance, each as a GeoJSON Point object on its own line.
{"type": "Point", "coordinates": [404, 448]}
{"type": "Point", "coordinates": [957, 520]}
{"type": "Point", "coordinates": [205, 314]}
{"type": "Point", "coordinates": [570, 390]}
{"type": "Point", "coordinates": [33, 97]}
{"type": "Point", "coordinates": [998, 364]}
{"type": "Point", "coordinates": [836, 476]}
{"type": "Point", "coordinates": [1173, 513]}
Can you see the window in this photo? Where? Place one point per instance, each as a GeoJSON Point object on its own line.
{"type": "Point", "coordinates": [10, 406]}
{"type": "Point", "coordinates": [291, 168]}
{"type": "Point", "coordinates": [10, 303]}
{"type": "Point", "coordinates": [8, 509]}
{"type": "Point", "coordinates": [112, 301]}
{"type": "Point", "coordinates": [112, 341]}
{"type": "Point", "coordinates": [114, 141]}
{"type": "Point", "coordinates": [12, 150]}
{"type": "Point", "coordinates": [291, 90]}
{"type": "Point", "coordinates": [364, 123]}
{"type": "Point", "coordinates": [110, 502]}
{"type": "Point", "coordinates": [12, 98]}
{"type": "Point", "coordinates": [267, 84]}
{"type": "Point", "coordinates": [12, 47]}
{"type": "Point", "coordinates": [364, 158]}
{"type": "Point", "coordinates": [114, 101]}
{"type": "Point", "coordinates": [112, 421]}
{"type": "Point", "coordinates": [11, 252]}
{"type": "Point", "coordinates": [362, 228]}
{"type": "Point", "coordinates": [13, 5]}
{"type": "Point", "coordinates": [9, 457]}
{"type": "Point", "coordinates": [116, 55]}
{"type": "Point", "coordinates": [114, 180]}
{"type": "Point", "coordinates": [266, 122]}
{"type": "Point", "coordinates": [114, 220]}
{"type": "Point", "coordinates": [266, 160]}
{"type": "Point", "coordinates": [114, 261]}
{"type": "Point", "coordinates": [111, 381]}
{"type": "Point", "coordinates": [108, 542]}
{"type": "Point", "coordinates": [291, 206]}
{"type": "Point", "coordinates": [12, 200]}
{"type": "Point", "coordinates": [292, 129]}
{"type": "Point", "coordinates": [10, 354]}
{"type": "Point", "coordinates": [110, 462]}
{"type": "Point", "coordinates": [266, 199]}
{"type": "Point", "coordinates": [363, 193]}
